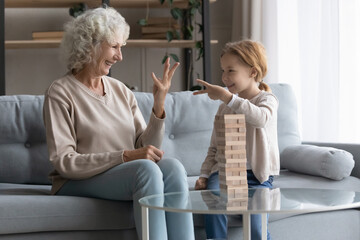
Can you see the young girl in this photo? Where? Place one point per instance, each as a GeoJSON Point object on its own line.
{"type": "Point", "coordinates": [244, 66]}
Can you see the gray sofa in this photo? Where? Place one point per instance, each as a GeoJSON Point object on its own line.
{"type": "Point", "coordinates": [28, 211]}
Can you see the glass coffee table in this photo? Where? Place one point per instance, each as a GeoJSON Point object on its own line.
{"type": "Point", "coordinates": [259, 201]}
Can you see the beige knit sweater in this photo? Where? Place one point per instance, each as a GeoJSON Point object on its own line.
{"type": "Point", "coordinates": [261, 135]}
{"type": "Point", "coordinates": [87, 133]}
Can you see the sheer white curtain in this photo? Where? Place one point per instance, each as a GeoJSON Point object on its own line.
{"type": "Point", "coordinates": [313, 46]}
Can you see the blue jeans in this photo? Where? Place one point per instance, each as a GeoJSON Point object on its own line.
{"type": "Point", "coordinates": [216, 225]}
{"type": "Point", "coordinates": [134, 180]}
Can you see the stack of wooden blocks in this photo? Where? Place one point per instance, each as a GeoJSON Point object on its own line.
{"type": "Point", "coordinates": [231, 147]}
{"type": "Point", "coordinates": [157, 27]}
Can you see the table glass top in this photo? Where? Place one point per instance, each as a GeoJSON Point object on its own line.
{"type": "Point", "coordinates": [261, 200]}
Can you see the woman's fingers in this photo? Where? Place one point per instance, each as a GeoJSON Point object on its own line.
{"type": "Point", "coordinates": [156, 80]}
{"type": "Point", "coordinates": [172, 70]}
{"type": "Point", "coordinates": [166, 68]}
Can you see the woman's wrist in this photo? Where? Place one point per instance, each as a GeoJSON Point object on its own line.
{"type": "Point", "coordinates": [159, 111]}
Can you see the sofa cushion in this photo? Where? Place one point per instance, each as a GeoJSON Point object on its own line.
{"type": "Point", "coordinates": [24, 156]}
{"type": "Point", "coordinates": [327, 162]}
{"type": "Point", "coordinates": [288, 131]}
{"type": "Point", "coordinates": [31, 208]}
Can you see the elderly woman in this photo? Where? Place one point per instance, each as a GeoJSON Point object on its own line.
{"type": "Point", "coordinates": [97, 139]}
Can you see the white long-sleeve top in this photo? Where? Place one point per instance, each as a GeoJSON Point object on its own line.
{"type": "Point", "coordinates": [262, 150]}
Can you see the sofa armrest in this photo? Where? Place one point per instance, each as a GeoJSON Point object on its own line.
{"type": "Point", "coordinates": [354, 149]}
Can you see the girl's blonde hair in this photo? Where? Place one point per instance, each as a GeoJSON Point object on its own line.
{"type": "Point", "coordinates": [252, 54]}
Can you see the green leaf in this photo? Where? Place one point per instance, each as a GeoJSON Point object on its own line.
{"type": "Point", "coordinates": [169, 36]}
{"type": "Point", "coordinates": [176, 13]}
{"type": "Point", "coordinates": [193, 11]}
{"type": "Point", "coordinates": [189, 31]}
{"type": "Point", "coordinates": [142, 22]}
{"type": "Point", "coordinates": [170, 2]}
{"type": "Point", "coordinates": [164, 59]}
{"type": "Point", "coordinates": [192, 2]}
{"type": "Point", "coordinates": [201, 54]}
{"type": "Point", "coordinates": [162, 2]}
{"type": "Point", "coordinates": [175, 57]}
{"type": "Point", "coordinates": [201, 27]}
{"type": "Point", "coordinates": [198, 44]}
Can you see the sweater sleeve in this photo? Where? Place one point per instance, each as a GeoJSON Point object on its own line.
{"type": "Point", "coordinates": [153, 133]}
{"type": "Point", "coordinates": [256, 115]}
{"type": "Point", "coordinates": [61, 142]}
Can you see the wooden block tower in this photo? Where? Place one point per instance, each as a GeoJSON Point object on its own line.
{"type": "Point", "coordinates": [231, 147]}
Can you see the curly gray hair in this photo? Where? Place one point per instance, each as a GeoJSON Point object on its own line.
{"type": "Point", "coordinates": [83, 35]}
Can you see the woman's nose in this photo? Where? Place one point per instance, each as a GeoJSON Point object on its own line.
{"type": "Point", "coordinates": [118, 56]}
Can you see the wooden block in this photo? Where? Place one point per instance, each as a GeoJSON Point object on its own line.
{"type": "Point", "coordinates": [232, 165]}
{"type": "Point", "coordinates": [232, 147]}
{"type": "Point", "coordinates": [223, 159]}
{"type": "Point", "coordinates": [230, 116]}
{"type": "Point", "coordinates": [238, 189]}
{"type": "Point", "coordinates": [223, 151]}
{"type": "Point", "coordinates": [227, 143]}
{"type": "Point", "coordinates": [237, 126]}
{"type": "Point", "coordinates": [240, 140]}
{"type": "Point", "coordinates": [233, 194]}
{"type": "Point", "coordinates": [242, 135]}
{"type": "Point", "coordinates": [233, 183]}
{"type": "Point", "coordinates": [227, 177]}
{"type": "Point", "coordinates": [231, 130]}
{"type": "Point", "coordinates": [228, 169]}
{"type": "Point", "coordinates": [231, 158]}
{"type": "Point", "coordinates": [232, 172]}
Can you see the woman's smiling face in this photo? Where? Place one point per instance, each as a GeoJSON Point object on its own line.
{"type": "Point", "coordinates": [236, 76]}
{"type": "Point", "coordinates": [109, 54]}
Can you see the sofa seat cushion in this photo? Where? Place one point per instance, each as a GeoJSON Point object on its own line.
{"type": "Point", "coordinates": [288, 179]}
{"type": "Point", "coordinates": [31, 208]}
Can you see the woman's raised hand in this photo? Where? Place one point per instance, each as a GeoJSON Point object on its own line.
{"type": "Point", "coordinates": [149, 152]}
{"type": "Point", "coordinates": [161, 87]}
{"type": "Point", "coordinates": [214, 92]}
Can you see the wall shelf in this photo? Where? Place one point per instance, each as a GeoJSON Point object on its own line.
{"type": "Point", "coordinates": [145, 43]}
{"type": "Point", "coordinates": [92, 3]}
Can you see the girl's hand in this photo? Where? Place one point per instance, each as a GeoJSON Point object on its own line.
{"type": "Point", "coordinates": [161, 88]}
{"type": "Point", "coordinates": [201, 183]}
{"type": "Point", "coordinates": [149, 152]}
{"type": "Point", "coordinates": [214, 92]}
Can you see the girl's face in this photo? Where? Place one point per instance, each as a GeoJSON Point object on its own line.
{"type": "Point", "coordinates": [236, 76]}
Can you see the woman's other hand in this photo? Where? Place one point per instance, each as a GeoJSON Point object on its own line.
{"type": "Point", "coordinates": [161, 88]}
{"type": "Point", "coordinates": [201, 183]}
{"type": "Point", "coordinates": [214, 92]}
{"type": "Point", "coordinates": [149, 152]}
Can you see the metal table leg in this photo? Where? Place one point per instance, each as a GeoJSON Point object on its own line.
{"type": "Point", "coordinates": [263, 226]}
{"type": "Point", "coordinates": [246, 226]}
{"type": "Point", "coordinates": [145, 222]}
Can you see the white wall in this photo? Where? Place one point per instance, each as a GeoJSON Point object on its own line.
{"type": "Point", "coordinates": [31, 71]}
